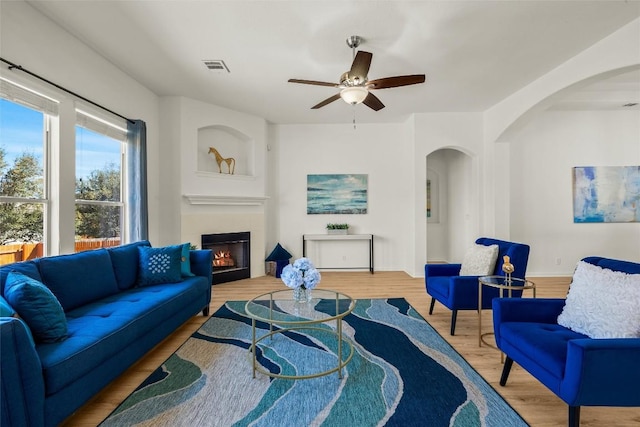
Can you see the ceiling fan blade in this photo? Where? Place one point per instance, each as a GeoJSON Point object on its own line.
{"type": "Point", "coordinates": [360, 65]}
{"type": "Point", "coordinates": [396, 81]}
{"type": "Point", "coordinates": [326, 101]}
{"type": "Point", "coordinates": [313, 82]}
{"type": "Point", "coordinates": [373, 102]}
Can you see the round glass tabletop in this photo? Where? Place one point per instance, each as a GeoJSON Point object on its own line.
{"type": "Point", "coordinates": [281, 307]}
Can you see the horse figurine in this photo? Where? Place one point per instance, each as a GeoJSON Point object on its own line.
{"type": "Point", "coordinates": [231, 162]}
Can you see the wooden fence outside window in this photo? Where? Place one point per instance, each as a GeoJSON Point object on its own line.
{"type": "Point", "coordinates": [25, 251]}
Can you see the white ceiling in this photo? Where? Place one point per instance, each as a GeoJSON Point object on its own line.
{"type": "Point", "coordinates": [474, 53]}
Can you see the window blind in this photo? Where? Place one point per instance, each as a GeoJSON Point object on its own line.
{"type": "Point", "coordinates": [27, 97]}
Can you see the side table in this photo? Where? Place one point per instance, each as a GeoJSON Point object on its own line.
{"type": "Point", "coordinates": [506, 287]}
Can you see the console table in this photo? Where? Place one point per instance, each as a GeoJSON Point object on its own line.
{"type": "Point", "coordinates": [334, 237]}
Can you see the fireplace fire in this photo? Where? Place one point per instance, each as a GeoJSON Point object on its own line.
{"type": "Point", "coordinates": [223, 259]}
{"type": "Point", "coordinates": [231, 255]}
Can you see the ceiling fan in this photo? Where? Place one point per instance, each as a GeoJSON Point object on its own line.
{"type": "Point", "coordinates": [355, 85]}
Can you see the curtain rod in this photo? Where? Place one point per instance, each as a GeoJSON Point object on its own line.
{"type": "Point", "coordinates": [13, 66]}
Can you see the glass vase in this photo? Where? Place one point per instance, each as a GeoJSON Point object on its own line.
{"type": "Point", "coordinates": [302, 295]}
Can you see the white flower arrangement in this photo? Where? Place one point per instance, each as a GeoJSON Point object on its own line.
{"type": "Point", "coordinates": [300, 274]}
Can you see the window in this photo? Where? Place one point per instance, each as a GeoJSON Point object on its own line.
{"type": "Point", "coordinates": [99, 176]}
{"type": "Point", "coordinates": [36, 187]}
{"type": "Point", "coordinates": [24, 139]}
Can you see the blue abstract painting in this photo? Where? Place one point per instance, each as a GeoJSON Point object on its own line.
{"type": "Point", "coordinates": [606, 194]}
{"type": "Point", "coordinates": [337, 194]}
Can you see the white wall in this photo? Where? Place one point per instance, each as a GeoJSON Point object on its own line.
{"type": "Point", "coordinates": [182, 119]}
{"type": "Point", "coordinates": [460, 136]}
{"type": "Point", "coordinates": [249, 180]}
{"type": "Point", "coordinates": [620, 50]}
{"type": "Point", "coordinates": [542, 158]}
{"type": "Point", "coordinates": [382, 151]}
{"type": "Point", "coordinates": [29, 39]}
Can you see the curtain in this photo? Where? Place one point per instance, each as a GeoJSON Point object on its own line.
{"type": "Point", "coordinates": [137, 168]}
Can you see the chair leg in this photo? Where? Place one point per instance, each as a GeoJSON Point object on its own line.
{"type": "Point", "coordinates": [433, 302]}
{"type": "Point", "coordinates": [205, 311]}
{"type": "Point", "coordinates": [454, 316]}
{"type": "Point", "coordinates": [508, 363]}
{"type": "Point", "coordinates": [574, 416]}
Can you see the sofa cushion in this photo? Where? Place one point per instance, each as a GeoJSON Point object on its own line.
{"type": "Point", "coordinates": [544, 343]}
{"type": "Point", "coordinates": [185, 262]}
{"type": "Point", "coordinates": [159, 265]}
{"type": "Point", "coordinates": [125, 263]}
{"type": "Point", "coordinates": [99, 331]}
{"type": "Point", "coordinates": [479, 260]}
{"type": "Point", "coordinates": [80, 278]}
{"type": "Point", "coordinates": [37, 306]}
{"type": "Point", "coordinates": [602, 303]}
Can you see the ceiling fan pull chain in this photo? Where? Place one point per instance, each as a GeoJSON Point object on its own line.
{"type": "Point", "coordinates": [354, 116]}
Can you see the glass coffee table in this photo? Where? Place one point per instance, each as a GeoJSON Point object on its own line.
{"type": "Point", "coordinates": [282, 313]}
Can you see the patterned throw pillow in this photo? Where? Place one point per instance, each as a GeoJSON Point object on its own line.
{"type": "Point", "coordinates": [480, 260]}
{"type": "Point", "coordinates": [159, 265]}
{"type": "Point", "coordinates": [602, 303]}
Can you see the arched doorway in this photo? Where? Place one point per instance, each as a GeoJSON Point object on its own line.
{"type": "Point", "coordinates": [452, 205]}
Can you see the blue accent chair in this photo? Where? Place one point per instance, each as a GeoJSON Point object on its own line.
{"type": "Point", "coordinates": [444, 283]}
{"type": "Point", "coordinates": [581, 371]}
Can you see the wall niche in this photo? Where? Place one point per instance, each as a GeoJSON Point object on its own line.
{"type": "Point", "coordinates": [230, 143]}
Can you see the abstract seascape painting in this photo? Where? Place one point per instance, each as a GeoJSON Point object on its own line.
{"type": "Point", "coordinates": [606, 194]}
{"type": "Point", "coordinates": [337, 194]}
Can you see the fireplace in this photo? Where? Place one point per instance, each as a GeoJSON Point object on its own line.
{"type": "Point", "coordinates": [231, 255]}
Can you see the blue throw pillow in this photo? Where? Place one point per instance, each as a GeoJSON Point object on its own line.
{"type": "Point", "coordinates": [5, 309]}
{"type": "Point", "coordinates": [185, 262]}
{"type": "Point", "coordinates": [37, 306]}
{"type": "Point", "coordinates": [159, 265]}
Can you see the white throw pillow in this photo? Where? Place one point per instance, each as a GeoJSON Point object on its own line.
{"type": "Point", "coordinates": [480, 260]}
{"type": "Point", "coordinates": [602, 303]}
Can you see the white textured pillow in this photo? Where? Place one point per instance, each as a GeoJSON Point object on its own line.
{"type": "Point", "coordinates": [602, 303]}
{"type": "Point", "coordinates": [479, 260]}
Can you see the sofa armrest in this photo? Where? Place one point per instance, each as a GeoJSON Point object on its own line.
{"type": "Point", "coordinates": [22, 396]}
{"type": "Point", "coordinates": [602, 372]}
{"type": "Point", "coordinates": [439, 270]}
{"type": "Point", "coordinates": [202, 263]}
{"type": "Point", "coordinates": [536, 310]}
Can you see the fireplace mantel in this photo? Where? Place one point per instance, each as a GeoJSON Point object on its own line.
{"type": "Point", "coordinates": [201, 199]}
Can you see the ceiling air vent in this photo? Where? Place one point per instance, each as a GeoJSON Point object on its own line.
{"type": "Point", "coordinates": [216, 65]}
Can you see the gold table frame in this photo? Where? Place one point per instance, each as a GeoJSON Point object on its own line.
{"type": "Point", "coordinates": [253, 311]}
{"type": "Point", "coordinates": [506, 287]}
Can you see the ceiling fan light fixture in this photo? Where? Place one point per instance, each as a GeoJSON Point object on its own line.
{"type": "Point", "coordinates": [354, 94]}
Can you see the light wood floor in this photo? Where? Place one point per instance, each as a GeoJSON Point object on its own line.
{"type": "Point", "coordinates": [533, 401]}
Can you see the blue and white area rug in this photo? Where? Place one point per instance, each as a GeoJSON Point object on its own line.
{"type": "Point", "coordinates": [403, 373]}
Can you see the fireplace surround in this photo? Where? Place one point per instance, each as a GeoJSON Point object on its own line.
{"type": "Point", "coordinates": [231, 255]}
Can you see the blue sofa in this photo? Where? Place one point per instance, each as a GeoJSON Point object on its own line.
{"type": "Point", "coordinates": [109, 327]}
{"type": "Point", "coordinates": [444, 283]}
{"type": "Point", "coordinates": [580, 370]}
